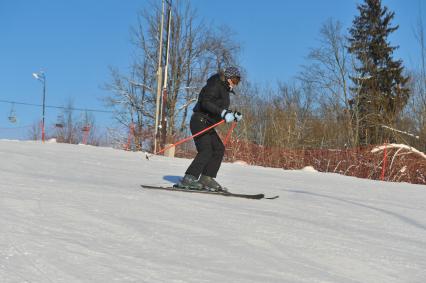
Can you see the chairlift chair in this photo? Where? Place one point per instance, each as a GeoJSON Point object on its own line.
{"type": "Point", "coordinates": [60, 122]}
{"type": "Point", "coordinates": [86, 128]}
{"type": "Point", "coordinates": [12, 119]}
{"type": "Point", "coordinates": [12, 115]}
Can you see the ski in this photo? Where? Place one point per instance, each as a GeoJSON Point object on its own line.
{"type": "Point", "coordinates": [226, 194]}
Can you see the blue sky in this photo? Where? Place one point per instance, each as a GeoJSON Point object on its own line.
{"type": "Point", "coordinates": [75, 42]}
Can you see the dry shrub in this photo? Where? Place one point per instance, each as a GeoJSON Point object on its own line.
{"type": "Point", "coordinates": [400, 165]}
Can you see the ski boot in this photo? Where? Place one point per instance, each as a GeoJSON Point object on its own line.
{"type": "Point", "coordinates": [189, 182]}
{"type": "Point", "coordinates": [210, 184]}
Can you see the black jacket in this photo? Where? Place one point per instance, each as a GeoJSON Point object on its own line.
{"type": "Point", "coordinates": [213, 98]}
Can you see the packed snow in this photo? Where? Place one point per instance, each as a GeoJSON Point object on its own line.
{"type": "Point", "coordinates": [74, 213]}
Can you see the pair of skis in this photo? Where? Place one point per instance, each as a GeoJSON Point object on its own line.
{"type": "Point", "coordinates": [220, 193]}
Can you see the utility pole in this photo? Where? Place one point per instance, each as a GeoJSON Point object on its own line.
{"type": "Point", "coordinates": [164, 100]}
{"type": "Point", "coordinates": [159, 80]}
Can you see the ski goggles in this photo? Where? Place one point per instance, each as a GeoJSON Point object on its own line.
{"type": "Point", "coordinates": [235, 80]}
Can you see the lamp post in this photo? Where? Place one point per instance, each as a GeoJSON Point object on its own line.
{"type": "Point", "coordinates": [42, 78]}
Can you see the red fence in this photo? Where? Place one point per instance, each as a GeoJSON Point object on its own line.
{"type": "Point", "coordinates": [397, 165]}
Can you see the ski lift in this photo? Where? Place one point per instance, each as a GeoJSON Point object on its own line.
{"type": "Point", "coordinates": [12, 115]}
{"type": "Point", "coordinates": [60, 121]}
{"type": "Point", "coordinates": [86, 128]}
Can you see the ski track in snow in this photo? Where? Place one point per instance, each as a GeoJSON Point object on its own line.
{"type": "Point", "coordinates": [77, 214]}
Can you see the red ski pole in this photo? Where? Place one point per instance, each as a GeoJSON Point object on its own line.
{"type": "Point", "coordinates": [191, 137]}
{"type": "Point", "coordinates": [385, 157]}
{"type": "Point", "coordinates": [234, 124]}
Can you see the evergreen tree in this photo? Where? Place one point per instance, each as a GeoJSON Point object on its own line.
{"type": "Point", "coordinates": [380, 88]}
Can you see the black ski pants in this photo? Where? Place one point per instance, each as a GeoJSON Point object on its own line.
{"type": "Point", "coordinates": [209, 147]}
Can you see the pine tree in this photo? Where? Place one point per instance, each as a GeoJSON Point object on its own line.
{"type": "Point", "coordinates": [380, 88]}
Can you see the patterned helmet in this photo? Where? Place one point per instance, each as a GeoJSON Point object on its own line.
{"type": "Point", "coordinates": [232, 72]}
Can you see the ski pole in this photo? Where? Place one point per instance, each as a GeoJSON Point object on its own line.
{"type": "Point", "coordinates": [191, 137]}
{"type": "Point", "coordinates": [234, 124]}
{"type": "Point", "coordinates": [385, 156]}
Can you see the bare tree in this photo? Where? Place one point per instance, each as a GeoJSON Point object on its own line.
{"type": "Point", "coordinates": [252, 101]}
{"type": "Point", "coordinates": [416, 108]}
{"type": "Point", "coordinates": [35, 131]}
{"type": "Point", "coordinates": [328, 75]}
{"type": "Point", "coordinates": [196, 51]}
{"type": "Point", "coordinates": [68, 131]}
{"type": "Point", "coordinates": [87, 129]}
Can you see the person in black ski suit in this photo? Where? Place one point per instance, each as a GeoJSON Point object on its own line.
{"type": "Point", "coordinates": [212, 106]}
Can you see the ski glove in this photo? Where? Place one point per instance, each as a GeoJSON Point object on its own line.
{"type": "Point", "coordinates": [230, 116]}
{"type": "Point", "coordinates": [238, 116]}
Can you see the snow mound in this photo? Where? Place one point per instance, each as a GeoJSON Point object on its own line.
{"type": "Point", "coordinates": [309, 169]}
{"type": "Point", "coordinates": [400, 147]}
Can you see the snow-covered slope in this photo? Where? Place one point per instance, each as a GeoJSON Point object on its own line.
{"type": "Point", "coordinates": [77, 214]}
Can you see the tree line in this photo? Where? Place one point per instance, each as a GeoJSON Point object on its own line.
{"type": "Point", "coordinates": [352, 91]}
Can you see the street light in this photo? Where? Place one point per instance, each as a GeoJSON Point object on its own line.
{"type": "Point", "coordinates": [42, 78]}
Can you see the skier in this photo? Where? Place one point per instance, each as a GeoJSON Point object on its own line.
{"type": "Point", "coordinates": [211, 107]}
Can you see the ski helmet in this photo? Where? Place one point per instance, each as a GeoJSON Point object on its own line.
{"type": "Point", "coordinates": [232, 72]}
